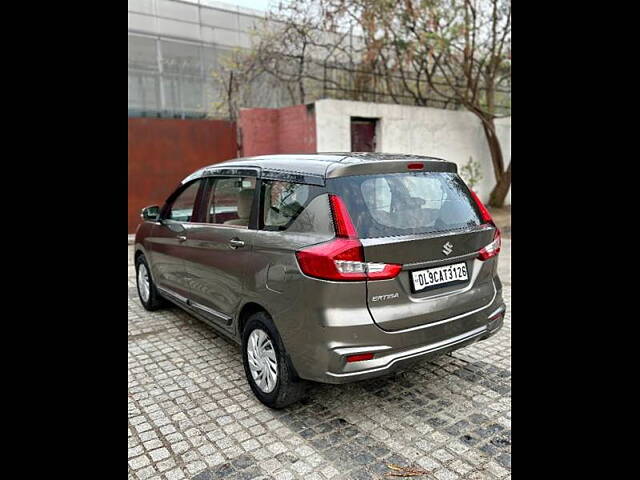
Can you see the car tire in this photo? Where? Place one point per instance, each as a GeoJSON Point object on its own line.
{"type": "Point", "coordinates": [148, 294]}
{"type": "Point", "coordinates": [287, 388]}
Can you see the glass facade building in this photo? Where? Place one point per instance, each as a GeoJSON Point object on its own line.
{"type": "Point", "coordinates": [175, 48]}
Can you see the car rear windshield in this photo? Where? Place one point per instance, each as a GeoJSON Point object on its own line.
{"type": "Point", "coordinates": [406, 203]}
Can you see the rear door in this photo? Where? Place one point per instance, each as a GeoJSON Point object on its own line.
{"type": "Point", "coordinates": [219, 247]}
{"type": "Point", "coordinates": [428, 223]}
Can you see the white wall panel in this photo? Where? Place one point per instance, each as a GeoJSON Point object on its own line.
{"type": "Point", "coordinates": [448, 134]}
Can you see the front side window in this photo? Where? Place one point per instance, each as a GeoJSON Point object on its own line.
{"type": "Point", "coordinates": [283, 202]}
{"type": "Point", "coordinates": [183, 205]}
{"type": "Point", "coordinates": [230, 201]}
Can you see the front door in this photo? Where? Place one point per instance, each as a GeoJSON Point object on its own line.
{"type": "Point", "coordinates": [219, 248]}
{"type": "Point", "coordinates": [167, 241]}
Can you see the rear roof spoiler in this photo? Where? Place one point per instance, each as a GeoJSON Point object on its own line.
{"type": "Point", "coordinates": [389, 166]}
{"type": "Point", "coordinates": [348, 166]}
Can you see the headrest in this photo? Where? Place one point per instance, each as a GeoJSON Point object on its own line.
{"type": "Point", "coordinates": [245, 200]}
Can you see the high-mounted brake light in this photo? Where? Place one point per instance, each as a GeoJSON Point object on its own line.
{"type": "Point", "coordinates": [415, 166]}
{"type": "Point", "coordinates": [343, 257]}
{"type": "Point", "coordinates": [493, 248]}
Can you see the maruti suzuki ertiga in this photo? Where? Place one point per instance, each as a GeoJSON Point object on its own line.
{"type": "Point", "coordinates": [328, 267]}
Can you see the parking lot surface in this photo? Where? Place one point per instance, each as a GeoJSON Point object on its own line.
{"type": "Point", "coordinates": [192, 414]}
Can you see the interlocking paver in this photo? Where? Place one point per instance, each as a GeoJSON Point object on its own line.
{"type": "Point", "coordinates": [192, 414]}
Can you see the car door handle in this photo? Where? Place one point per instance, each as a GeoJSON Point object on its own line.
{"type": "Point", "coordinates": [182, 238]}
{"type": "Point", "coordinates": [236, 243]}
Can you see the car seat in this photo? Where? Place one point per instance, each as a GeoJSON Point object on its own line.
{"type": "Point", "coordinates": [245, 200]}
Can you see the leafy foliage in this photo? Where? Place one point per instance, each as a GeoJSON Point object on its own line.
{"type": "Point", "coordinates": [471, 172]}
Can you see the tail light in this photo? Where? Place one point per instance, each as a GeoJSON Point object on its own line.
{"type": "Point", "coordinates": [343, 257]}
{"type": "Point", "coordinates": [484, 213]}
{"type": "Point", "coordinates": [493, 248]}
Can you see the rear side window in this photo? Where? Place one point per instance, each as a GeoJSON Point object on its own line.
{"type": "Point", "coordinates": [230, 201]}
{"type": "Point", "coordinates": [283, 203]}
{"type": "Point", "coordinates": [406, 203]}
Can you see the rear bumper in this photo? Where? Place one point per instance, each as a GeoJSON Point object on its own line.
{"type": "Point", "coordinates": [399, 359]}
{"type": "Point", "coordinates": [324, 360]}
{"type": "Point", "coordinates": [390, 360]}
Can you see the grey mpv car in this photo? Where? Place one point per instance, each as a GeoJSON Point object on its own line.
{"type": "Point", "coordinates": [327, 267]}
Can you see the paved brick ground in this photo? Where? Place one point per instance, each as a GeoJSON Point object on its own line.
{"type": "Point", "coordinates": [192, 414]}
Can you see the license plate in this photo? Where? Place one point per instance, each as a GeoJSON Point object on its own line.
{"type": "Point", "coordinates": [439, 276]}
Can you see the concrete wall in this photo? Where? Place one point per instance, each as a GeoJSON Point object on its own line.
{"type": "Point", "coordinates": [452, 135]}
{"type": "Point", "coordinates": [164, 151]}
{"type": "Point", "coordinates": [285, 130]}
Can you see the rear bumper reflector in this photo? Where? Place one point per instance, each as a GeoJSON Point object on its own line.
{"type": "Point", "coordinates": [360, 357]}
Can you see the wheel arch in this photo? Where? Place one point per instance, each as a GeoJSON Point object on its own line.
{"type": "Point", "coordinates": [246, 311]}
{"type": "Point", "coordinates": [249, 309]}
{"type": "Point", "coordinates": [139, 251]}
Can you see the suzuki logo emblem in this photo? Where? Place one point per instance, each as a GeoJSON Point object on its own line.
{"type": "Point", "coordinates": [447, 248]}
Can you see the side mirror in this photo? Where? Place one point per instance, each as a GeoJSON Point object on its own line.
{"type": "Point", "coordinates": [150, 213]}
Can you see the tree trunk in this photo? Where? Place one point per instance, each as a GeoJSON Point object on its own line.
{"type": "Point", "coordinates": [230, 99]}
{"type": "Point", "coordinates": [301, 73]}
{"type": "Point", "coordinates": [499, 192]}
{"type": "Point", "coordinates": [494, 146]}
{"type": "Point", "coordinates": [503, 178]}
